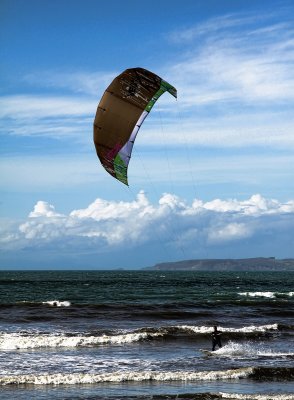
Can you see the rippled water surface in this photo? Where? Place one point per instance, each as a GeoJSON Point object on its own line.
{"type": "Point", "coordinates": [121, 334]}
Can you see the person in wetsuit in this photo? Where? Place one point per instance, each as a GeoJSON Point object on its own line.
{"type": "Point", "coordinates": [216, 338]}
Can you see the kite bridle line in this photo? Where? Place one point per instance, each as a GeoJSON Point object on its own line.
{"type": "Point", "coordinates": [187, 150]}
{"type": "Point", "coordinates": [159, 239]}
{"type": "Point", "coordinates": [189, 160]}
{"type": "Point", "coordinates": [172, 184]}
{"type": "Point", "coordinates": [172, 237]}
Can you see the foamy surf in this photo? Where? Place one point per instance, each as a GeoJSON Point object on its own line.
{"type": "Point", "coordinates": [249, 350]}
{"type": "Point", "coordinates": [18, 340]}
{"type": "Point", "coordinates": [15, 341]}
{"type": "Point", "coordinates": [139, 376]}
{"type": "Point", "coordinates": [274, 396]}
{"type": "Point", "coordinates": [270, 295]}
{"type": "Point", "coordinates": [57, 303]}
{"type": "Point", "coordinates": [52, 303]}
{"type": "Point", "coordinates": [245, 329]}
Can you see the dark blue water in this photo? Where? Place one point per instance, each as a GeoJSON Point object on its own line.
{"type": "Point", "coordinates": [121, 334]}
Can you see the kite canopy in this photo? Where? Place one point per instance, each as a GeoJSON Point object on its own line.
{"type": "Point", "coordinates": [122, 109]}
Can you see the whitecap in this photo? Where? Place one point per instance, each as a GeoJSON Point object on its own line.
{"type": "Point", "coordinates": [249, 350]}
{"type": "Point", "coordinates": [138, 376]}
{"type": "Point", "coordinates": [245, 329]}
{"type": "Point", "coordinates": [14, 341]}
{"type": "Point", "coordinates": [274, 396]}
{"type": "Point", "coordinates": [57, 303]}
{"type": "Point", "coordinates": [270, 295]}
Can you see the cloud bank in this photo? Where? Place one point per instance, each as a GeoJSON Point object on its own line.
{"type": "Point", "coordinates": [116, 231]}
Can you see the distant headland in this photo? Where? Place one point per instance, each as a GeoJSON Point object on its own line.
{"type": "Point", "coordinates": [241, 264]}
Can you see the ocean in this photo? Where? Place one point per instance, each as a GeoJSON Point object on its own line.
{"type": "Point", "coordinates": [146, 335]}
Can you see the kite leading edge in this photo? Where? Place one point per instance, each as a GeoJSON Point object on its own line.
{"type": "Point", "coordinates": [122, 109]}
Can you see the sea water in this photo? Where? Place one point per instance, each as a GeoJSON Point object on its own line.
{"type": "Point", "coordinates": [141, 335]}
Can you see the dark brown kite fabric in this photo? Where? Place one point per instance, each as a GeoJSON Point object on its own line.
{"type": "Point", "coordinates": [120, 113]}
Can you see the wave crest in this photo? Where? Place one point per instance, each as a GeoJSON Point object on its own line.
{"type": "Point", "coordinates": [18, 340]}
{"type": "Point", "coordinates": [255, 373]}
{"type": "Point", "coordinates": [270, 295]}
{"type": "Point", "coordinates": [237, 396]}
{"type": "Point", "coordinates": [74, 379]}
{"type": "Point", "coordinates": [15, 341]}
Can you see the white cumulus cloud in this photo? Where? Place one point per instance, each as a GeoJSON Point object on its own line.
{"type": "Point", "coordinates": [107, 226]}
{"type": "Point", "coordinates": [231, 231]}
{"type": "Point", "coordinates": [44, 209]}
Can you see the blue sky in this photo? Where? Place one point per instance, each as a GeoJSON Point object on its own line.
{"type": "Point", "coordinates": [211, 174]}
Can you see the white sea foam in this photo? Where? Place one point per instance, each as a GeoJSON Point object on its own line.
{"type": "Point", "coordinates": [20, 340]}
{"type": "Point", "coordinates": [241, 350]}
{"type": "Point", "coordinates": [14, 341]}
{"type": "Point", "coordinates": [57, 303]}
{"type": "Point", "coordinates": [257, 396]}
{"type": "Point", "coordinates": [195, 329]}
{"type": "Point", "coordinates": [53, 303]}
{"type": "Point", "coordinates": [139, 376]}
{"type": "Point", "coordinates": [245, 329]}
{"type": "Point", "coordinates": [270, 295]}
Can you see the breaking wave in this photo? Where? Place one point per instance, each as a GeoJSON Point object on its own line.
{"type": "Point", "coordinates": [245, 329]}
{"type": "Point", "coordinates": [76, 378]}
{"type": "Point", "coordinates": [56, 303]}
{"type": "Point", "coordinates": [15, 341]}
{"type": "Point", "coordinates": [255, 373]}
{"type": "Point", "coordinates": [34, 340]}
{"type": "Point", "coordinates": [246, 350]}
{"type": "Point", "coordinates": [270, 295]}
{"type": "Point", "coordinates": [237, 396]}
{"type": "Point", "coordinates": [53, 303]}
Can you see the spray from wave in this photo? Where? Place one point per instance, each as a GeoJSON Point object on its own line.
{"type": "Point", "coordinates": [249, 350]}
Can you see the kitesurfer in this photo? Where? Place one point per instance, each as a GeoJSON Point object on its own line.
{"type": "Point", "coordinates": [216, 338]}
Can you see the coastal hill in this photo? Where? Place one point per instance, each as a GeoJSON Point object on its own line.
{"type": "Point", "coordinates": [242, 264]}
